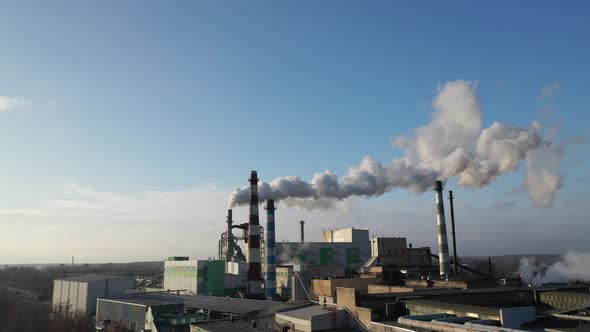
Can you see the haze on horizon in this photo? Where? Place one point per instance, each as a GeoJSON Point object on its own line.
{"type": "Point", "coordinates": [125, 127]}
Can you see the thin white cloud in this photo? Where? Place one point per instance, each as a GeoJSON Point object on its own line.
{"type": "Point", "coordinates": [549, 90]}
{"type": "Point", "coordinates": [10, 104]}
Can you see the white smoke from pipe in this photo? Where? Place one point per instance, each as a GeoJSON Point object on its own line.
{"type": "Point", "coordinates": [574, 266]}
{"type": "Point", "coordinates": [453, 144]}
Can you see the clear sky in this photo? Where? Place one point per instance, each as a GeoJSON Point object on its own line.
{"type": "Point", "coordinates": [124, 125]}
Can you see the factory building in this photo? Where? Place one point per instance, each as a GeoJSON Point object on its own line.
{"type": "Point", "coordinates": [161, 312]}
{"type": "Point", "coordinates": [349, 247]}
{"type": "Point", "coordinates": [195, 276]}
{"type": "Point", "coordinates": [394, 251]}
{"type": "Point", "coordinates": [78, 294]}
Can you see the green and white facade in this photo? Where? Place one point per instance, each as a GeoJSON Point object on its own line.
{"type": "Point", "coordinates": [195, 276]}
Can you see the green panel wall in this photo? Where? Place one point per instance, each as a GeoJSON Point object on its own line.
{"type": "Point", "coordinates": [353, 257]}
{"type": "Point", "coordinates": [326, 256]}
{"type": "Point", "coordinates": [216, 278]}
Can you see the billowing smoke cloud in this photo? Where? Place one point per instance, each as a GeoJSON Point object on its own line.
{"type": "Point", "coordinates": [453, 144]}
{"type": "Point", "coordinates": [574, 266]}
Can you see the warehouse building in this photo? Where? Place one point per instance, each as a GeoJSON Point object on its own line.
{"type": "Point", "coordinates": [169, 312]}
{"type": "Point", "coordinates": [78, 294]}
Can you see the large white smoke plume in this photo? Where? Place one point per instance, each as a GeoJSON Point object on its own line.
{"type": "Point", "coordinates": [453, 144]}
{"type": "Point", "coordinates": [573, 267]}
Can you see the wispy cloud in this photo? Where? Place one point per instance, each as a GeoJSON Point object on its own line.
{"type": "Point", "coordinates": [549, 90]}
{"type": "Point", "coordinates": [9, 104]}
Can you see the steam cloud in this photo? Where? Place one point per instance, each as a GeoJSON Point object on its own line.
{"type": "Point", "coordinates": [453, 144]}
{"type": "Point", "coordinates": [574, 266]}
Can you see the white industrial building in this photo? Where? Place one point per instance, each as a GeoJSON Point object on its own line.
{"type": "Point", "coordinates": [78, 294]}
{"type": "Point", "coordinates": [194, 276]}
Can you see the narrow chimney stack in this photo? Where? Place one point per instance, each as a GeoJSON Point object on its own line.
{"type": "Point", "coordinates": [302, 231]}
{"type": "Point", "coordinates": [254, 268]}
{"type": "Point", "coordinates": [271, 275]}
{"type": "Point", "coordinates": [443, 245]}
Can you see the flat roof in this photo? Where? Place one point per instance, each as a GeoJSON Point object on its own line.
{"type": "Point", "coordinates": [214, 303]}
{"type": "Point", "coordinates": [307, 312]}
{"type": "Point", "coordinates": [445, 291]}
{"type": "Point", "coordinates": [89, 277]}
{"type": "Point", "coordinates": [225, 325]}
{"type": "Point", "coordinates": [455, 306]}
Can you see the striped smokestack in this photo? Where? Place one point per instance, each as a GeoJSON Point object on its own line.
{"type": "Point", "coordinates": [271, 275]}
{"type": "Point", "coordinates": [254, 269]}
{"type": "Point", "coordinates": [443, 245]}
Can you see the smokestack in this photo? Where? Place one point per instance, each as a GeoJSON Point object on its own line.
{"type": "Point", "coordinates": [451, 197]}
{"type": "Point", "coordinates": [271, 276]}
{"type": "Point", "coordinates": [228, 235]}
{"type": "Point", "coordinates": [254, 268]}
{"type": "Point", "coordinates": [302, 231]}
{"type": "Point", "coordinates": [443, 245]}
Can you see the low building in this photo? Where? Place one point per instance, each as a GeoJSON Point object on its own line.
{"type": "Point", "coordinates": [394, 251]}
{"type": "Point", "coordinates": [78, 294]}
{"type": "Point", "coordinates": [312, 318]}
{"type": "Point", "coordinates": [195, 276]}
{"type": "Point", "coordinates": [170, 312]}
{"type": "Point", "coordinates": [325, 289]}
{"type": "Point", "coordinates": [565, 300]}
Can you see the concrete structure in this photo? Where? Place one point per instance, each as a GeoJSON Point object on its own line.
{"type": "Point", "coordinates": [565, 300]}
{"type": "Point", "coordinates": [346, 235]}
{"type": "Point", "coordinates": [394, 251]}
{"type": "Point", "coordinates": [271, 275]}
{"type": "Point", "coordinates": [312, 318]}
{"type": "Point", "coordinates": [325, 289]}
{"type": "Point", "coordinates": [78, 294]}
{"type": "Point", "coordinates": [254, 266]}
{"type": "Point", "coordinates": [443, 245]}
{"type": "Point", "coordinates": [195, 276]}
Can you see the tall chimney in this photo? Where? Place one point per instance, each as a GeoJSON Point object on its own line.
{"type": "Point", "coordinates": [254, 269]}
{"type": "Point", "coordinates": [451, 197]}
{"type": "Point", "coordinates": [228, 236]}
{"type": "Point", "coordinates": [302, 231]}
{"type": "Point", "coordinates": [270, 283]}
{"type": "Point", "coordinates": [443, 245]}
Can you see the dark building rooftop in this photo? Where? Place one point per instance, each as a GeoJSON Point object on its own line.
{"type": "Point", "coordinates": [90, 277]}
{"type": "Point", "coordinates": [219, 304]}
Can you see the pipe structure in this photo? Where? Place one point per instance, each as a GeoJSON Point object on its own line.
{"type": "Point", "coordinates": [451, 197]}
{"type": "Point", "coordinates": [254, 278]}
{"type": "Point", "coordinates": [302, 231]}
{"type": "Point", "coordinates": [270, 284]}
{"type": "Point", "coordinates": [443, 245]}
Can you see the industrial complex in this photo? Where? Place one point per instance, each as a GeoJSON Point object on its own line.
{"type": "Point", "coordinates": [349, 281]}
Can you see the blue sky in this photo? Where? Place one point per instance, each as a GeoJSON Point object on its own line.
{"type": "Point", "coordinates": [144, 96]}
